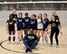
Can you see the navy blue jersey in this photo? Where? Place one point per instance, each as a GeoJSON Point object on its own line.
{"type": "Point", "coordinates": [11, 24]}
{"type": "Point", "coordinates": [26, 21]}
{"type": "Point", "coordinates": [33, 24]}
{"type": "Point", "coordinates": [45, 23]}
{"type": "Point", "coordinates": [19, 23]}
{"type": "Point", "coordinates": [30, 38]}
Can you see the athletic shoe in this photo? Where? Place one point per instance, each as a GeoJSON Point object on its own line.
{"type": "Point", "coordinates": [57, 46]}
{"type": "Point", "coordinates": [46, 44]}
{"type": "Point", "coordinates": [13, 42]}
{"type": "Point", "coordinates": [50, 45]}
{"type": "Point", "coordinates": [18, 42]}
{"type": "Point", "coordinates": [26, 50]}
{"type": "Point", "coordinates": [21, 42]}
{"type": "Point", "coordinates": [41, 43]}
{"type": "Point", "coordinates": [9, 42]}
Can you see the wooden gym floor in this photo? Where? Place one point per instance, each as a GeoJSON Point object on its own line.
{"type": "Point", "coordinates": [6, 48]}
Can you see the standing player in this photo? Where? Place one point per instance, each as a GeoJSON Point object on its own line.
{"type": "Point", "coordinates": [14, 15]}
{"type": "Point", "coordinates": [33, 23]}
{"type": "Point", "coordinates": [57, 19]}
{"type": "Point", "coordinates": [45, 31]}
{"type": "Point", "coordinates": [39, 26]}
{"type": "Point", "coordinates": [26, 23]}
{"type": "Point", "coordinates": [20, 27]}
{"type": "Point", "coordinates": [55, 28]}
{"type": "Point", "coordinates": [11, 28]}
{"type": "Point", "coordinates": [56, 16]}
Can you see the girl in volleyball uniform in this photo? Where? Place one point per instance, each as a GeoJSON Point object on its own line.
{"type": "Point", "coordinates": [11, 28]}
{"type": "Point", "coordinates": [45, 31]}
{"type": "Point", "coordinates": [33, 24]}
{"type": "Point", "coordinates": [39, 26]}
{"type": "Point", "coordinates": [20, 27]}
{"type": "Point", "coordinates": [26, 23]}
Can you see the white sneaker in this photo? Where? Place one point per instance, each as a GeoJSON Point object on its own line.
{"type": "Point", "coordinates": [41, 43]}
{"type": "Point", "coordinates": [46, 44]}
{"type": "Point", "coordinates": [9, 42]}
{"type": "Point", "coordinates": [30, 53]}
{"type": "Point", "coordinates": [13, 42]}
{"type": "Point", "coordinates": [21, 42]}
{"type": "Point", "coordinates": [18, 42]}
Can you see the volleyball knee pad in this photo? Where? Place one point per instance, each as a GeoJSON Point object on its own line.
{"type": "Point", "coordinates": [9, 38]}
{"type": "Point", "coordinates": [14, 38]}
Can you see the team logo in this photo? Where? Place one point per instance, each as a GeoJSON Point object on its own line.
{"type": "Point", "coordinates": [26, 20]}
{"type": "Point", "coordinates": [32, 22]}
{"type": "Point", "coordinates": [31, 37]}
{"type": "Point", "coordinates": [44, 21]}
{"type": "Point", "coordinates": [10, 23]}
{"type": "Point", "coordinates": [20, 20]}
{"type": "Point", "coordinates": [53, 24]}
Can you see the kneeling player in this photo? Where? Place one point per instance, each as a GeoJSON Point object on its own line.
{"type": "Point", "coordinates": [30, 41]}
{"type": "Point", "coordinates": [11, 28]}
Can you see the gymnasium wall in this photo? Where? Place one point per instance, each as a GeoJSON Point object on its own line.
{"type": "Point", "coordinates": [62, 15]}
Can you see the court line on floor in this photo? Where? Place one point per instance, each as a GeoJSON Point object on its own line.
{"type": "Point", "coordinates": [10, 49]}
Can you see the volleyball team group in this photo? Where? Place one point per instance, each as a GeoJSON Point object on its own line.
{"type": "Point", "coordinates": [31, 29]}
